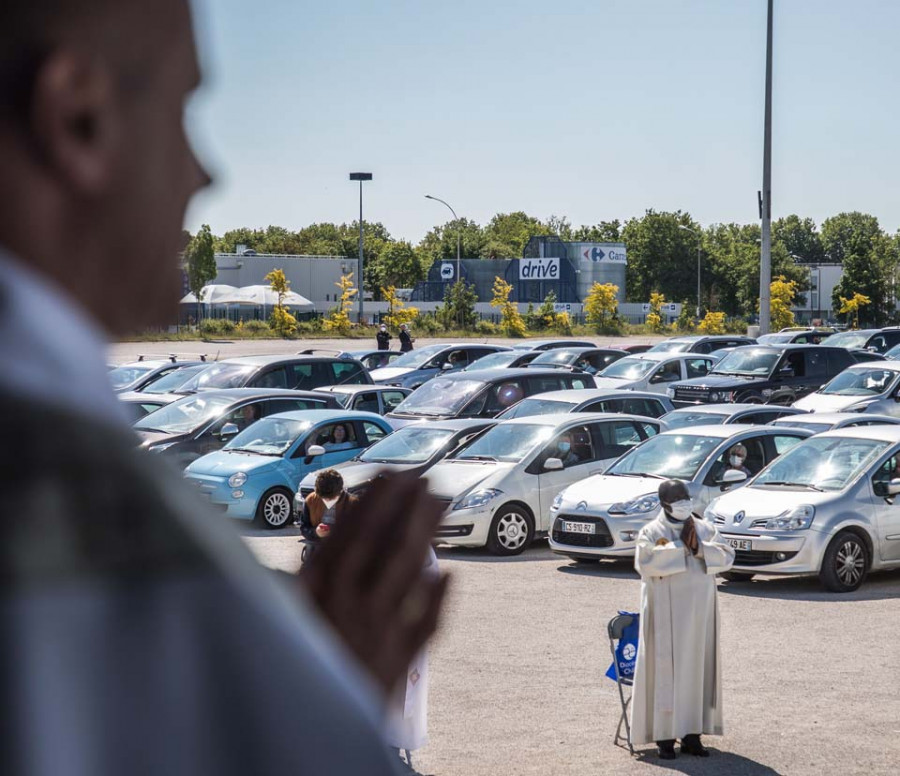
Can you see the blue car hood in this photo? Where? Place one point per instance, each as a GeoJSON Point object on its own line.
{"type": "Point", "coordinates": [224, 463]}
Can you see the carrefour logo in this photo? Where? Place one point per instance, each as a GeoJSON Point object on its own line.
{"type": "Point", "coordinates": [628, 652]}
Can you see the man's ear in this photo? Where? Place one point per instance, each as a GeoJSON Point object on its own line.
{"type": "Point", "coordinates": [75, 120]}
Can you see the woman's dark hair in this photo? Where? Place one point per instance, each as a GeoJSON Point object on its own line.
{"type": "Point", "coordinates": [329, 483]}
{"type": "Point", "coordinates": [334, 434]}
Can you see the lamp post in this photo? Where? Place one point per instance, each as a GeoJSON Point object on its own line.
{"type": "Point", "coordinates": [361, 176]}
{"type": "Point", "coordinates": [458, 231]}
{"type": "Point", "coordinates": [699, 236]}
{"type": "Point", "coordinates": [765, 199]}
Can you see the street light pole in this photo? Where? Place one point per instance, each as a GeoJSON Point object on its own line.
{"type": "Point", "coordinates": [458, 231]}
{"type": "Point", "coordinates": [361, 176]}
{"type": "Point", "coordinates": [699, 237]}
{"type": "Point", "coordinates": [765, 258]}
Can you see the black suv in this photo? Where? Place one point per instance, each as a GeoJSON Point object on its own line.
{"type": "Point", "coordinates": [757, 374]}
{"type": "Point", "coordinates": [874, 340]}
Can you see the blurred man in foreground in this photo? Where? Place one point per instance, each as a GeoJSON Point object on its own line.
{"type": "Point", "coordinates": [139, 636]}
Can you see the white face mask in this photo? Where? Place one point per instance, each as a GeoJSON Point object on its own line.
{"type": "Point", "coordinates": [737, 461]}
{"type": "Point", "coordinates": [681, 510]}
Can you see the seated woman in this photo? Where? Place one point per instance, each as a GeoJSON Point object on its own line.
{"type": "Point", "coordinates": [736, 457]}
{"type": "Point", "coordinates": [340, 439]}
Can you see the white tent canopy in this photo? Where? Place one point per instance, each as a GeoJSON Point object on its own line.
{"type": "Point", "coordinates": [252, 296]}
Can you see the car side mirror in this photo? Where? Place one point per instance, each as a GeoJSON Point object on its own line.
{"type": "Point", "coordinates": [893, 487]}
{"type": "Point", "coordinates": [315, 450]}
{"type": "Point", "coordinates": [229, 430]}
{"type": "Point", "coordinates": [732, 477]}
{"type": "Point", "coordinates": [555, 465]}
{"type": "Point", "coordinates": [447, 365]}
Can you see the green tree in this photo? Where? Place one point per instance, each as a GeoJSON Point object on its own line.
{"type": "Point", "coordinates": [338, 320]}
{"type": "Point", "coordinates": [200, 263]}
{"type": "Point", "coordinates": [510, 320]}
{"type": "Point", "coordinates": [654, 317]}
{"type": "Point", "coordinates": [800, 238]}
{"type": "Point", "coordinates": [439, 244]}
{"type": "Point", "coordinates": [712, 323]}
{"type": "Point", "coordinates": [282, 321]}
{"type": "Point", "coordinates": [781, 295]}
{"type": "Point", "coordinates": [507, 234]}
{"type": "Point", "coordinates": [458, 310]}
{"type": "Point", "coordinates": [604, 231]}
{"type": "Point", "coordinates": [397, 265]}
{"type": "Point", "coordinates": [398, 313]}
{"type": "Point", "coordinates": [850, 307]}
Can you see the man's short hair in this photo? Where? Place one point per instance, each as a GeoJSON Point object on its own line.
{"type": "Point", "coordinates": [329, 483]}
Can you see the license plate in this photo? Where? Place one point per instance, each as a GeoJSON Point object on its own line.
{"type": "Point", "coordinates": [580, 528]}
{"type": "Point", "coordinates": [740, 544]}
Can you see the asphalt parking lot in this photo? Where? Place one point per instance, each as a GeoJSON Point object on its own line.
{"type": "Point", "coordinates": [811, 679]}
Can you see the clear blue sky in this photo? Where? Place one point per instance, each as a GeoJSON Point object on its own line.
{"type": "Point", "coordinates": [592, 109]}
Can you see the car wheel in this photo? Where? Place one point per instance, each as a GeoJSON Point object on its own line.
{"type": "Point", "coordinates": [274, 509]}
{"type": "Point", "coordinates": [749, 398]}
{"type": "Point", "coordinates": [512, 530]}
{"type": "Point", "coordinates": [737, 576]}
{"type": "Point", "coordinates": [845, 564]}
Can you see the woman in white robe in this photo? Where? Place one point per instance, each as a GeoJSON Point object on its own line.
{"type": "Point", "coordinates": [678, 683]}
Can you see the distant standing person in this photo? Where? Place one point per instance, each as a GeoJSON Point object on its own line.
{"type": "Point", "coordinates": [406, 341]}
{"type": "Point", "coordinates": [678, 675]}
{"type": "Point", "coordinates": [383, 337]}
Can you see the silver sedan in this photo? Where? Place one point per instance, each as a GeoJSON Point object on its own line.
{"type": "Point", "coordinates": [827, 507]}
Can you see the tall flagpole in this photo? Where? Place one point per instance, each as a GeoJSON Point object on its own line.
{"type": "Point", "coordinates": [765, 258]}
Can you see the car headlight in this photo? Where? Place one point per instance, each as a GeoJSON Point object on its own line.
{"type": "Point", "coordinates": [795, 519]}
{"type": "Point", "coordinates": [649, 502]}
{"type": "Point", "coordinates": [557, 503]}
{"type": "Point", "coordinates": [477, 498]}
{"type": "Point", "coordinates": [236, 480]}
{"type": "Point", "coordinates": [710, 514]}
{"type": "Point", "coordinates": [670, 392]}
{"type": "Point", "coordinates": [160, 447]}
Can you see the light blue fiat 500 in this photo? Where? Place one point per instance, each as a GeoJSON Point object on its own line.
{"type": "Point", "coordinates": [255, 476]}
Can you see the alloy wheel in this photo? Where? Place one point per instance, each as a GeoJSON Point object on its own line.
{"type": "Point", "coordinates": [850, 562]}
{"type": "Point", "coordinates": [277, 509]}
{"type": "Point", "coordinates": [512, 530]}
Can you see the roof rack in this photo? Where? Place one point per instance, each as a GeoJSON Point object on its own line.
{"type": "Point", "coordinates": [173, 357]}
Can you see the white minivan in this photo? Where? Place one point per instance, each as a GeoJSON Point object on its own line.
{"type": "Point", "coordinates": [873, 386]}
{"type": "Point", "coordinates": [498, 488]}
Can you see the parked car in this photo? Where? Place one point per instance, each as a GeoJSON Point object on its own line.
{"type": "Point", "coordinates": [795, 336]}
{"type": "Point", "coordinates": [712, 414]}
{"type": "Point", "coordinates": [255, 476]}
{"type": "Point", "coordinates": [653, 372]}
{"type": "Point", "coordinates": [418, 366]}
{"type": "Point", "coordinates": [826, 508]}
{"type": "Point", "coordinates": [590, 360]}
{"type": "Point", "coordinates": [600, 517]}
{"type": "Point", "coordinates": [482, 393]}
{"type": "Point", "coordinates": [199, 424]}
{"type": "Point", "coordinates": [299, 372]}
{"type": "Point", "coordinates": [138, 374]}
{"type": "Point", "coordinates": [701, 343]}
{"type": "Point", "coordinates": [414, 448]}
{"type": "Point", "coordinates": [498, 488]}
{"type": "Point", "coordinates": [372, 359]}
{"type": "Point", "coordinates": [872, 387]}
{"type": "Point", "coordinates": [171, 381]}
{"type": "Point", "coordinates": [817, 422]}
{"type": "Point", "coordinates": [764, 373]}
{"type": "Point", "coordinates": [504, 359]}
{"type": "Point", "coordinates": [641, 348]}
{"type": "Point", "coordinates": [649, 405]}
{"type": "Point", "coordinates": [875, 340]}
{"type": "Point", "coordinates": [379, 399]}
{"type": "Point", "coordinates": [552, 344]}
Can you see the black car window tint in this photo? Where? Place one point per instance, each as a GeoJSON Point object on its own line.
{"type": "Point", "coordinates": [618, 437]}
{"type": "Point", "coordinates": [696, 367]}
{"type": "Point", "coordinates": [270, 378]}
{"type": "Point", "coordinates": [816, 364]}
{"type": "Point", "coordinates": [367, 402]}
{"type": "Point", "coordinates": [301, 376]}
{"type": "Point", "coordinates": [543, 384]}
{"type": "Point", "coordinates": [346, 373]}
{"type": "Point", "coordinates": [274, 406]}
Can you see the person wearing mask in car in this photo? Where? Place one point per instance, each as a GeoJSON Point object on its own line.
{"type": "Point", "coordinates": [406, 340]}
{"type": "Point", "coordinates": [564, 450]}
{"type": "Point", "coordinates": [383, 338]}
{"type": "Point", "coordinates": [325, 505]}
{"type": "Point", "coordinates": [736, 458]}
{"type": "Point", "coordinates": [678, 679]}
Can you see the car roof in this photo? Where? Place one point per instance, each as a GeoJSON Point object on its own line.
{"type": "Point", "coordinates": [575, 418]}
{"type": "Point", "coordinates": [496, 373]}
{"type": "Point", "coordinates": [724, 432]}
{"type": "Point", "coordinates": [580, 349]}
{"type": "Point", "coordinates": [879, 433]}
{"type": "Point", "coordinates": [733, 409]}
{"type": "Point", "coordinates": [354, 388]}
{"type": "Point", "coordinates": [239, 394]}
{"type": "Point", "coordinates": [835, 417]}
{"type": "Point", "coordinates": [323, 416]}
{"type": "Point", "coordinates": [660, 355]}
{"type": "Point", "coordinates": [579, 395]}
{"type": "Point", "coordinates": [454, 424]}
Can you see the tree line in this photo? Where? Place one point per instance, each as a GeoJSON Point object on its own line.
{"type": "Point", "coordinates": [662, 253]}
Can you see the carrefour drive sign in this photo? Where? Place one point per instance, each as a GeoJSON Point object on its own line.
{"type": "Point", "coordinates": [539, 269]}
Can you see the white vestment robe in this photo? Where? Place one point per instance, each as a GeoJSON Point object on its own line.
{"type": "Point", "coordinates": [407, 717]}
{"type": "Point", "coordinates": [677, 682]}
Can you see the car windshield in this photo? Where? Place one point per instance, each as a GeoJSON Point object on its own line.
{"type": "Point", "coordinates": [821, 463]}
{"type": "Point", "coordinates": [747, 361]}
{"type": "Point", "coordinates": [440, 396]}
{"type": "Point", "coordinates": [416, 359]}
{"type": "Point", "coordinates": [681, 419]}
{"type": "Point", "coordinates": [774, 339]}
{"type": "Point", "coordinates": [174, 380]}
{"type": "Point", "coordinates": [670, 346]}
{"type": "Point", "coordinates": [222, 375]}
{"type": "Point", "coordinates": [629, 368]}
{"type": "Point", "coordinates": [860, 382]}
{"type": "Point", "coordinates": [556, 357]}
{"type": "Point", "coordinates": [668, 456]}
{"type": "Point", "coordinates": [126, 375]}
{"type": "Point", "coordinates": [535, 406]}
{"type": "Point", "coordinates": [493, 361]}
{"type": "Point", "coordinates": [508, 442]}
{"type": "Point", "coordinates": [816, 428]}
{"type": "Point", "coordinates": [269, 436]}
{"type": "Point", "coordinates": [185, 415]}
{"type": "Point", "coordinates": [848, 339]}
{"type": "Point", "coordinates": [411, 444]}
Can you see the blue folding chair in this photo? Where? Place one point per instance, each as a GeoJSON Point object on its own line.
{"type": "Point", "coordinates": [616, 629]}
